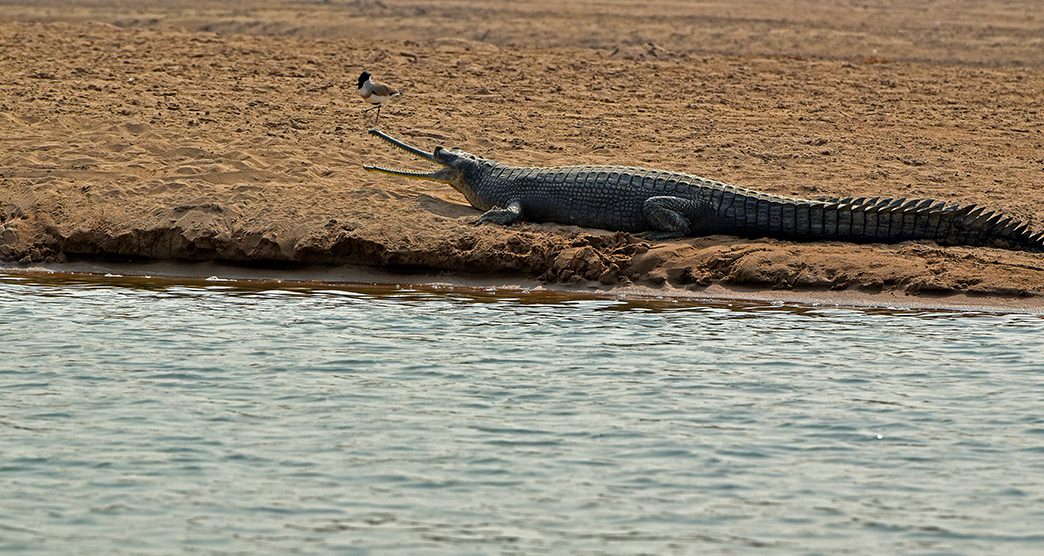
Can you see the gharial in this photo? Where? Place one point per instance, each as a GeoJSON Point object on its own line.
{"type": "Point", "coordinates": [673, 204]}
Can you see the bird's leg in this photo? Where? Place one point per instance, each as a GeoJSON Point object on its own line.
{"type": "Point", "coordinates": [378, 118]}
{"type": "Point", "coordinates": [367, 110]}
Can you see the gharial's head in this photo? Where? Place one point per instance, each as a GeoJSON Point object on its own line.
{"type": "Point", "coordinates": [459, 169]}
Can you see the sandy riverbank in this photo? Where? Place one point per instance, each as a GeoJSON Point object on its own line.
{"type": "Point", "coordinates": [189, 132]}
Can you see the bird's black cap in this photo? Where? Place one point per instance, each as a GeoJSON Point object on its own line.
{"type": "Point", "coordinates": [363, 77]}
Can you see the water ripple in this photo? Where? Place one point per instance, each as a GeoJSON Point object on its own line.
{"type": "Point", "coordinates": [212, 418]}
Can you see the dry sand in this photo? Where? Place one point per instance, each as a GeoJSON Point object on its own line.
{"type": "Point", "coordinates": [207, 131]}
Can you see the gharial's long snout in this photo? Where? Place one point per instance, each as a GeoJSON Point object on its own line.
{"type": "Point", "coordinates": [445, 174]}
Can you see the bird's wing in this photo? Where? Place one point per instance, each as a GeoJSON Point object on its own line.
{"type": "Point", "coordinates": [382, 90]}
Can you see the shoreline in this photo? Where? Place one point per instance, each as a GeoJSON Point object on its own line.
{"type": "Point", "coordinates": [369, 280]}
{"type": "Point", "coordinates": [185, 144]}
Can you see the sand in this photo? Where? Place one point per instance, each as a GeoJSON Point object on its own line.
{"type": "Point", "coordinates": [201, 131]}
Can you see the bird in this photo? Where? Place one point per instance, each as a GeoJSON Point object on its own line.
{"type": "Point", "coordinates": [376, 93]}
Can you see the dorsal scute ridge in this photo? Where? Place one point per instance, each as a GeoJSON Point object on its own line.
{"type": "Point", "coordinates": [910, 204]}
{"type": "Point", "coordinates": [974, 214]}
{"type": "Point", "coordinates": [1007, 224]}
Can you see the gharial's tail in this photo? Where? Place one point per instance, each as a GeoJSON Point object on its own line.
{"type": "Point", "coordinates": [882, 220]}
{"type": "Point", "coordinates": [947, 224]}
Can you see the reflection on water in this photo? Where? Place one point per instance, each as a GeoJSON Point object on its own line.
{"type": "Point", "coordinates": [207, 416]}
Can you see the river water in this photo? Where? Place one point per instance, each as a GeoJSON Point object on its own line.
{"type": "Point", "coordinates": [207, 417]}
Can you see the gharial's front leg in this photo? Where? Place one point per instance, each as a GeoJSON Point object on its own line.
{"type": "Point", "coordinates": [674, 217]}
{"type": "Point", "coordinates": [502, 216]}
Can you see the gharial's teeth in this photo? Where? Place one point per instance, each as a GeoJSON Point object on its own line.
{"type": "Point", "coordinates": [375, 167]}
{"type": "Point", "coordinates": [410, 173]}
{"type": "Point", "coordinates": [402, 145]}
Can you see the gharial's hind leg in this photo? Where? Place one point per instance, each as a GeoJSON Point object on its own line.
{"type": "Point", "coordinates": [673, 217]}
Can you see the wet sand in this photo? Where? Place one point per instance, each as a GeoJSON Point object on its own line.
{"type": "Point", "coordinates": [185, 131]}
{"type": "Point", "coordinates": [375, 281]}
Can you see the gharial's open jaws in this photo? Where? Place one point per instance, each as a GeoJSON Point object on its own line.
{"type": "Point", "coordinates": [442, 174]}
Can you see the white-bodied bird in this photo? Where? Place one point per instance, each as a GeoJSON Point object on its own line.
{"type": "Point", "coordinates": [376, 93]}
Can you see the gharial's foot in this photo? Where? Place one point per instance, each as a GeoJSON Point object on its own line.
{"type": "Point", "coordinates": [502, 216]}
{"type": "Point", "coordinates": [498, 218]}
